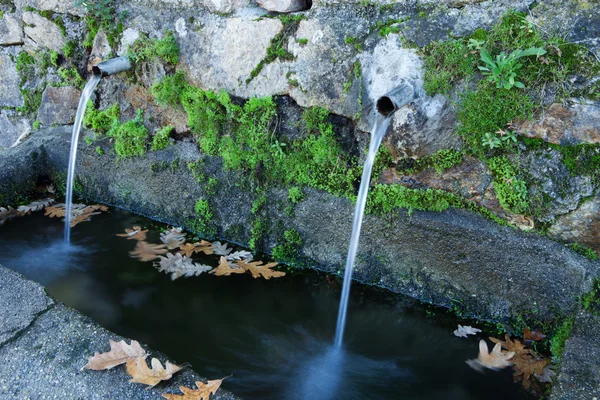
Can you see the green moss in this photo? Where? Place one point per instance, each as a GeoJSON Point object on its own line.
{"type": "Point", "coordinates": [288, 250]}
{"type": "Point", "coordinates": [257, 232]}
{"type": "Point", "coordinates": [32, 98]}
{"type": "Point", "coordinates": [584, 251]}
{"type": "Point", "coordinates": [511, 190]}
{"type": "Point", "coordinates": [101, 14]}
{"type": "Point", "coordinates": [302, 41]}
{"type": "Point", "coordinates": [70, 77]}
{"type": "Point", "coordinates": [24, 60]}
{"type": "Point", "coordinates": [160, 140]}
{"type": "Point", "coordinates": [446, 63]}
{"type": "Point", "coordinates": [557, 344]}
{"type": "Point", "coordinates": [169, 90]}
{"type": "Point", "coordinates": [101, 121]}
{"type": "Point", "coordinates": [591, 300]}
{"type": "Point", "coordinates": [203, 224]}
{"type": "Point", "coordinates": [295, 195]}
{"type": "Point", "coordinates": [581, 159]}
{"type": "Point", "coordinates": [131, 139]}
{"type": "Point", "coordinates": [99, 150]}
{"type": "Point", "coordinates": [211, 186]}
{"type": "Point", "coordinates": [69, 48]}
{"type": "Point", "coordinates": [197, 170]}
{"type": "Point", "coordinates": [441, 160]}
{"type": "Point", "coordinates": [36, 125]}
{"type": "Point", "coordinates": [145, 49]}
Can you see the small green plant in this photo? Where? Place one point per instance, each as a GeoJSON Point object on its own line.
{"type": "Point", "coordinates": [69, 48]}
{"type": "Point", "coordinates": [584, 251]}
{"type": "Point", "coordinates": [355, 42]}
{"type": "Point", "coordinates": [70, 77]}
{"type": "Point", "coordinates": [557, 343]}
{"type": "Point", "coordinates": [511, 190]}
{"type": "Point", "coordinates": [503, 69]}
{"type": "Point", "coordinates": [99, 150]}
{"type": "Point", "coordinates": [36, 125]}
{"type": "Point", "coordinates": [295, 195]}
{"type": "Point", "coordinates": [302, 41]}
{"type": "Point", "coordinates": [160, 140]}
{"type": "Point", "coordinates": [146, 49]}
{"type": "Point", "coordinates": [203, 223]}
{"type": "Point", "coordinates": [290, 247]}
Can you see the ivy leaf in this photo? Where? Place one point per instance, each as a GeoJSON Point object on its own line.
{"type": "Point", "coordinates": [120, 353]}
{"type": "Point", "coordinates": [140, 373]}
{"type": "Point", "coordinates": [202, 393]}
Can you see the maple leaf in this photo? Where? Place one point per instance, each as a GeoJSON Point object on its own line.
{"type": "Point", "coordinates": [140, 373]}
{"type": "Point", "coordinates": [464, 331]}
{"type": "Point", "coordinates": [178, 266]}
{"type": "Point", "coordinates": [8, 213]}
{"type": "Point", "coordinates": [202, 393]}
{"type": "Point", "coordinates": [257, 270]}
{"type": "Point", "coordinates": [221, 249]}
{"type": "Point", "coordinates": [35, 206]}
{"type": "Point", "coordinates": [135, 233]}
{"type": "Point", "coordinates": [120, 353]}
{"type": "Point", "coordinates": [147, 252]}
{"type": "Point", "coordinates": [173, 238]}
{"type": "Point", "coordinates": [495, 360]}
{"type": "Point", "coordinates": [226, 269]}
{"type": "Point", "coordinates": [240, 255]}
{"type": "Point", "coordinates": [188, 249]}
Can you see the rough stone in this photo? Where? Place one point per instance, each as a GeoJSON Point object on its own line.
{"type": "Point", "coordinates": [8, 131]}
{"type": "Point", "coordinates": [581, 226]}
{"type": "Point", "coordinates": [129, 37]}
{"type": "Point", "coordinates": [553, 191]}
{"type": "Point", "coordinates": [10, 94]}
{"type": "Point", "coordinates": [11, 30]}
{"type": "Point", "coordinates": [100, 50]}
{"type": "Point", "coordinates": [59, 105]}
{"type": "Point", "coordinates": [578, 377]}
{"type": "Point", "coordinates": [42, 33]}
{"type": "Point", "coordinates": [283, 6]}
{"type": "Point", "coordinates": [141, 99]}
{"type": "Point", "coordinates": [58, 6]}
{"type": "Point", "coordinates": [578, 122]}
{"type": "Point", "coordinates": [22, 302]}
{"type": "Point", "coordinates": [225, 6]}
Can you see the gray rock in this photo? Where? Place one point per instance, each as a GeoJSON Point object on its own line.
{"type": "Point", "coordinates": [42, 33]}
{"type": "Point", "coordinates": [8, 131]}
{"type": "Point", "coordinates": [581, 226]}
{"type": "Point", "coordinates": [578, 377]}
{"type": "Point", "coordinates": [553, 191]}
{"type": "Point", "coordinates": [225, 6]}
{"type": "Point", "coordinates": [129, 37]}
{"type": "Point", "coordinates": [22, 302]}
{"type": "Point", "coordinates": [58, 6]}
{"type": "Point", "coordinates": [283, 6]}
{"type": "Point", "coordinates": [10, 94]}
{"type": "Point", "coordinates": [11, 30]}
{"type": "Point", "coordinates": [59, 105]}
{"type": "Point", "coordinates": [100, 49]}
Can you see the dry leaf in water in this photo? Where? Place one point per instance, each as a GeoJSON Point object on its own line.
{"type": "Point", "coordinates": [257, 270]}
{"type": "Point", "coordinates": [50, 189]}
{"type": "Point", "coordinates": [464, 331]}
{"type": "Point", "coordinates": [534, 336]}
{"type": "Point", "coordinates": [135, 233]}
{"type": "Point", "coordinates": [526, 363]}
{"type": "Point", "coordinates": [495, 360]}
{"type": "Point", "coordinates": [240, 255]}
{"type": "Point", "coordinates": [226, 269]}
{"type": "Point", "coordinates": [173, 238]}
{"type": "Point", "coordinates": [202, 393]}
{"type": "Point", "coordinates": [140, 373]}
{"type": "Point", "coordinates": [8, 213]}
{"type": "Point", "coordinates": [221, 249]}
{"type": "Point", "coordinates": [35, 206]}
{"type": "Point", "coordinates": [178, 266]}
{"type": "Point", "coordinates": [188, 249]}
{"type": "Point", "coordinates": [147, 252]}
{"type": "Point", "coordinates": [120, 353]}
{"type": "Point", "coordinates": [547, 374]}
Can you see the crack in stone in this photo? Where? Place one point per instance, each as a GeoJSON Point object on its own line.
{"type": "Point", "coordinates": [19, 333]}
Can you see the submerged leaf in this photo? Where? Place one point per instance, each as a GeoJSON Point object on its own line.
{"type": "Point", "coordinates": [178, 266]}
{"type": "Point", "coordinates": [135, 233]}
{"type": "Point", "coordinates": [8, 213]}
{"type": "Point", "coordinates": [173, 238]}
{"type": "Point", "coordinates": [464, 331]}
{"type": "Point", "coordinates": [240, 255]}
{"type": "Point", "coordinates": [120, 353]}
{"type": "Point", "coordinates": [257, 270]}
{"type": "Point", "coordinates": [221, 249]}
{"type": "Point", "coordinates": [188, 249]}
{"type": "Point", "coordinates": [147, 252]}
{"type": "Point", "coordinates": [35, 206]}
{"type": "Point", "coordinates": [226, 269]}
{"type": "Point", "coordinates": [140, 373]}
{"type": "Point", "coordinates": [202, 393]}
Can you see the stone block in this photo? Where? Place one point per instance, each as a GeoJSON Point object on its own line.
{"type": "Point", "coordinates": [59, 105]}
{"type": "Point", "coordinates": [10, 94]}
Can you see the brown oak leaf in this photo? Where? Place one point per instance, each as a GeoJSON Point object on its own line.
{"type": "Point", "coordinates": [202, 393]}
{"type": "Point", "coordinates": [204, 246]}
{"type": "Point", "coordinates": [257, 270]}
{"type": "Point", "coordinates": [140, 373]}
{"type": "Point", "coordinates": [120, 353]}
{"type": "Point", "coordinates": [135, 233]}
{"type": "Point", "coordinates": [147, 252]}
{"type": "Point", "coordinates": [226, 269]}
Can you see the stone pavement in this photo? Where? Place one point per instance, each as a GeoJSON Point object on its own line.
{"type": "Point", "coordinates": [44, 344]}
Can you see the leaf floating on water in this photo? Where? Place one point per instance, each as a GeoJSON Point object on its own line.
{"type": "Point", "coordinates": [202, 393]}
{"type": "Point", "coordinates": [464, 331]}
{"type": "Point", "coordinates": [547, 374]}
{"type": "Point", "coordinates": [57, 211]}
{"type": "Point", "coordinates": [178, 266]}
{"type": "Point", "coordinates": [35, 206]}
{"type": "Point", "coordinates": [147, 252]}
{"type": "Point", "coordinates": [173, 238]}
{"type": "Point", "coordinates": [188, 249]}
{"type": "Point", "coordinates": [226, 269]}
{"type": "Point", "coordinates": [257, 270]}
{"type": "Point", "coordinates": [135, 233]}
{"type": "Point", "coordinates": [120, 353]}
{"type": "Point", "coordinates": [8, 213]}
{"type": "Point", "coordinates": [495, 360]}
{"type": "Point", "coordinates": [221, 249]}
{"type": "Point", "coordinates": [140, 373]}
{"type": "Point", "coordinates": [240, 255]}
{"type": "Point", "coordinates": [79, 212]}
{"type": "Point", "coordinates": [50, 189]}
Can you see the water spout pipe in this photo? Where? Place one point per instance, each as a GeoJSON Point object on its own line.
{"type": "Point", "coordinates": [395, 99]}
{"type": "Point", "coordinates": [112, 66]}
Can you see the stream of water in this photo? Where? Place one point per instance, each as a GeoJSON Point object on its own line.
{"type": "Point", "coordinates": [88, 90]}
{"type": "Point", "coordinates": [379, 129]}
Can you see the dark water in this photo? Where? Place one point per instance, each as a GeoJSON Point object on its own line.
{"type": "Point", "coordinates": [274, 336]}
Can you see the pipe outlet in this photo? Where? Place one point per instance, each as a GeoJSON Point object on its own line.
{"type": "Point", "coordinates": [395, 99]}
{"type": "Point", "coordinates": [112, 66]}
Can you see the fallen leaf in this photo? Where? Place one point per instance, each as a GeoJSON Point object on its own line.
{"type": "Point", "coordinates": [226, 269]}
{"type": "Point", "coordinates": [221, 249]}
{"type": "Point", "coordinates": [202, 393]}
{"type": "Point", "coordinates": [257, 270]}
{"type": "Point", "coordinates": [546, 375]}
{"type": "Point", "coordinates": [8, 213]}
{"type": "Point", "coordinates": [135, 233]}
{"type": "Point", "coordinates": [35, 206]}
{"type": "Point", "coordinates": [56, 211]}
{"type": "Point", "coordinates": [173, 238]}
{"type": "Point", "coordinates": [188, 249]}
{"type": "Point", "coordinates": [147, 252]}
{"type": "Point", "coordinates": [79, 212]}
{"type": "Point", "coordinates": [50, 189]}
{"type": "Point", "coordinates": [120, 353]}
{"type": "Point", "coordinates": [140, 373]}
{"type": "Point", "coordinates": [464, 331]}
{"type": "Point", "coordinates": [77, 219]}
{"type": "Point", "coordinates": [178, 266]}
{"type": "Point", "coordinates": [240, 255]}
{"type": "Point", "coordinates": [495, 360]}
{"type": "Point", "coordinates": [534, 336]}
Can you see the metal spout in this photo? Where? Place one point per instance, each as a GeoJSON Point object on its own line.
{"type": "Point", "coordinates": [395, 99]}
{"type": "Point", "coordinates": [112, 66]}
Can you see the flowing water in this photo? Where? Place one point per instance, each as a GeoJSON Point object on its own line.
{"type": "Point", "coordinates": [274, 336]}
{"type": "Point", "coordinates": [85, 96]}
{"type": "Point", "coordinates": [381, 125]}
